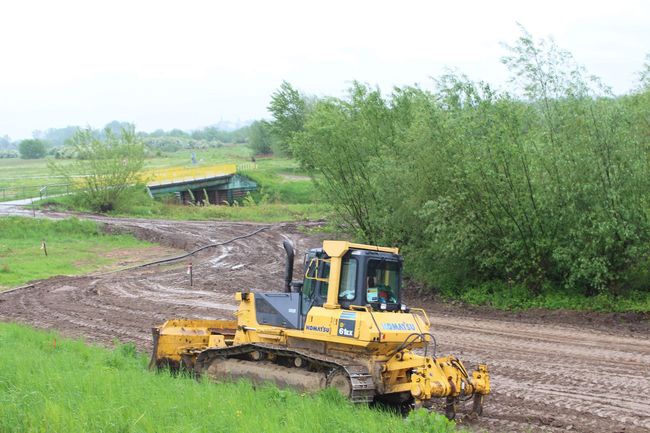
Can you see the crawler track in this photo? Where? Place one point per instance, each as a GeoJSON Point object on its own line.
{"type": "Point", "coordinates": [362, 386]}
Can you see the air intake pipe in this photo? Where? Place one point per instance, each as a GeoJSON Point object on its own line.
{"type": "Point", "coordinates": [288, 272]}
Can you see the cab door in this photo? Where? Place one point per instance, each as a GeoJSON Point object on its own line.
{"type": "Point", "coordinates": [315, 283]}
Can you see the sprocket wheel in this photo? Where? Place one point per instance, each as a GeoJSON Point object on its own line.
{"type": "Point", "coordinates": [340, 380]}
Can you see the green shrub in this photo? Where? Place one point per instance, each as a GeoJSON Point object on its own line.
{"type": "Point", "coordinates": [32, 149]}
{"type": "Point", "coordinates": [543, 186]}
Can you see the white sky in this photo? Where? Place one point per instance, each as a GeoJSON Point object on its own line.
{"type": "Point", "coordinates": [189, 64]}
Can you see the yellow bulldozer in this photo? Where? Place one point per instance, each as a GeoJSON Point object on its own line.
{"type": "Point", "coordinates": [343, 326]}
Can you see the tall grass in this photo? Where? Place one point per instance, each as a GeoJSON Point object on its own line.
{"type": "Point", "coordinates": [73, 247]}
{"type": "Point", "coordinates": [142, 206]}
{"type": "Point", "coordinates": [49, 384]}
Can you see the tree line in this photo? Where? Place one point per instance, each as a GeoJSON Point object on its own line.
{"type": "Point", "coordinates": [59, 142]}
{"type": "Point", "coordinates": [543, 185]}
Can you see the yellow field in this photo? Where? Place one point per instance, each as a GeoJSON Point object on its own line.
{"type": "Point", "coordinates": [178, 174]}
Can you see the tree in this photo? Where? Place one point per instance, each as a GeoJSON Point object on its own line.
{"type": "Point", "coordinates": [341, 142]}
{"type": "Point", "coordinates": [116, 126]}
{"type": "Point", "coordinates": [5, 142]}
{"type": "Point", "coordinates": [260, 138]}
{"type": "Point", "coordinates": [31, 149]}
{"type": "Point", "coordinates": [289, 110]}
{"type": "Point", "coordinates": [106, 166]}
{"type": "Point", "coordinates": [645, 73]}
{"type": "Point", "coordinates": [55, 137]}
{"type": "Point", "coordinates": [546, 190]}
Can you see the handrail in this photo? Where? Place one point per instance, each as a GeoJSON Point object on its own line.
{"type": "Point", "coordinates": [316, 278]}
{"type": "Point", "coordinates": [424, 313]}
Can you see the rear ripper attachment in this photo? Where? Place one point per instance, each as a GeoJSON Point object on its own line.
{"type": "Point", "coordinates": [343, 326]}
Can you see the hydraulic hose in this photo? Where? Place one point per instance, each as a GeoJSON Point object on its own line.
{"type": "Point", "coordinates": [419, 336]}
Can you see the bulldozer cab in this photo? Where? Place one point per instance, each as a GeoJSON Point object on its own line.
{"type": "Point", "coordinates": [352, 275]}
{"type": "Point", "coordinates": [366, 278]}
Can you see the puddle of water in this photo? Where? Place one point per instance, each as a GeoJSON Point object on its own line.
{"type": "Point", "coordinates": [216, 262]}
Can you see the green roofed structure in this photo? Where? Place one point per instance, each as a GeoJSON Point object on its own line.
{"type": "Point", "coordinates": [202, 185]}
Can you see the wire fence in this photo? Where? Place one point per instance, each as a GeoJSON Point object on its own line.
{"type": "Point", "coordinates": [10, 193]}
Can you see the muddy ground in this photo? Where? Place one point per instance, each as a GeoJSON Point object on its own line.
{"type": "Point", "coordinates": [551, 371]}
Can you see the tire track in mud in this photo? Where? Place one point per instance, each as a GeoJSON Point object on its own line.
{"type": "Point", "coordinates": [554, 379]}
{"type": "Point", "coordinates": [125, 305]}
{"type": "Point", "coordinates": [546, 377]}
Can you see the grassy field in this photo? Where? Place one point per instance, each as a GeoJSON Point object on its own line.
{"type": "Point", "coordinates": [285, 194]}
{"type": "Point", "coordinates": [73, 246]}
{"type": "Point", "coordinates": [50, 384]}
{"type": "Point", "coordinates": [25, 177]}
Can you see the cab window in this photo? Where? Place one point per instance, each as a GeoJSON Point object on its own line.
{"type": "Point", "coordinates": [382, 282]}
{"type": "Point", "coordinates": [316, 276]}
{"type": "Point", "coordinates": [347, 289]}
{"type": "Point", "coordinates": [323, 277]}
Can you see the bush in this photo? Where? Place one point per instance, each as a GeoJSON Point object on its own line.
{"type": "Point", "coordinates": [110, 166]}
{"type": "Point", "coordinates": [542, 187]}
{"type": "Point", "coordinates": [260, 139]}
{"type": "Point", "coordinates": [8, 154]}
{"type": "Point", "coordinates": [31, 149]}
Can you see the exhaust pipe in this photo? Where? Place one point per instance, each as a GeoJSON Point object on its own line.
{"type": "Point", "coordinates": [288, 271]}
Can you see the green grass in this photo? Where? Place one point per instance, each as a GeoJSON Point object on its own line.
{"type": "Point", "coordinates": [50, 384]}
{"type": "Point", "coordinates": [278, 182]}
{"type": "Point", "coordinates": [142, 206]}
{"type": "Point", "coordinates": [236, 154]}
{"type": "Point", "coordinates": [265, 213]}
{"type": "Point", "coordinates": [504, 297]}
{"type": "Point", "coordinates": [73, 246]}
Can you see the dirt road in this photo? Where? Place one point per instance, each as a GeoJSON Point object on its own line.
{"type": "Point", "coordinates": [571, 372]}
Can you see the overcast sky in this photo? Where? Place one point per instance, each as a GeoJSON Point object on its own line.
{"type": "Point", "coordinates": [189, 64]}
